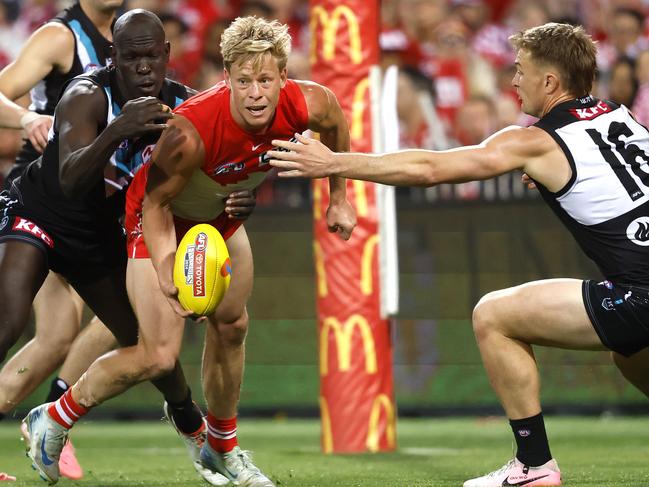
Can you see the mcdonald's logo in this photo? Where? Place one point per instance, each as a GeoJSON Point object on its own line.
{"type": "Point", "coordinates": [330, 24]}
{"type": "Point", "coordinates": [381, 402]}
{"type": "Point", "coordinates": [367, 261]}
{"type": "Point", "coordinates": [327, 436]}
{"type": "Point", "coordinates": [343, 336]}
{"type": "Point", "coordinates": [320, 270]}
{"type": "Point", "coordinates": [358, 108]}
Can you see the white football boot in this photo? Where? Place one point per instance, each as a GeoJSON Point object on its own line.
{"type": "Point", "coordinates": [45, 442]}
{"type": "Point", "coordinates": [194, 443]}
{"type": "Point", "coordinates": [515, 473]}
{"type": "Point", "coordinates": [235, 465]}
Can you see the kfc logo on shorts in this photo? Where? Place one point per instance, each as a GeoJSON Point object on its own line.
{"type": "Point", "coordinates": [24, 225]}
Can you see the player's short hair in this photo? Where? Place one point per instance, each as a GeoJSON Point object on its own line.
{"type": "Point", "coordinates": [250, 38]}
{"type": "Point", "coordinates": [566, 47]}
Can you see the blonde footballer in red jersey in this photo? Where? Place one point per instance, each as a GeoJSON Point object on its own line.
{"type": "Point", "coordinates": [215, 145]}
{"type": "Point", "coordinates": [235, 159]}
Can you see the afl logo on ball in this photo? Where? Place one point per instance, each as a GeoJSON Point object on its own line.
{"type": "Point", "coordinates": [638, 231]}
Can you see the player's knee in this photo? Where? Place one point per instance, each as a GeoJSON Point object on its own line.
{"type": "Point", "coordinates": [161, 363]}
{"type": "Point", "coordinates": [485, 316]}
{"type": "Point", "coordinates": [150, 363]}
{"type": "Point", "coordinates": [233, 332]}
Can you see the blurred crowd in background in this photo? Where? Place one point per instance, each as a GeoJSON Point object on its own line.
{"type": "Point", "coordinates": [455, 59]}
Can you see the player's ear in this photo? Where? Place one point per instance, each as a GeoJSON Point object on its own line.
{"type": "Point", "coordinates": [167, 50]}
{"type": "Point", "coordinates": [283, 76]}
{"type": "Point", "coordinates": [552, 82]}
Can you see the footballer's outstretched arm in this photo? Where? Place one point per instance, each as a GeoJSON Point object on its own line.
{"type": "Point", "coordinates": [508, 149]}
{"type": "Point", "coordinates": [178, 153]}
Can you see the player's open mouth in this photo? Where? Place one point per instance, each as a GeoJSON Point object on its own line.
{"type": "Point", "coordinates": [256, 111]}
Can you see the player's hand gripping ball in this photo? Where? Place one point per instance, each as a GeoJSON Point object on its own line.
{"type": "Point", "coordinates": [202, 269]}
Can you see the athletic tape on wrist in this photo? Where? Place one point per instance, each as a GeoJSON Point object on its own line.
{"type": "Point", "coordinates": [27, 118]}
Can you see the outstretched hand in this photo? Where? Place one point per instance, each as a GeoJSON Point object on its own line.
{"type": "Point", "coordinates": [307, 158]}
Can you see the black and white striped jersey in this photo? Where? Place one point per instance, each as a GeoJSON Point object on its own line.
{"type": "Point", "coordinates": [605, 205]}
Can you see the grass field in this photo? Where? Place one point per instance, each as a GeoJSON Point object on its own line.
{"type": "Point", "coordinates": [433, 452]}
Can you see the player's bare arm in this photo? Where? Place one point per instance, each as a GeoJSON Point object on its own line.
{"type": "Point", "coordinates": [82, 153]}
{"type": "Point", "coordinates": [327, 118]}
{"type": "Point", "coordinates": [50, 48]}
{"type": "Point", "coordinates": [178, 153]}
{"type": "Point", "coordinates": [528, 149]}
{"type": "Point", "coordinates": [13, 116]}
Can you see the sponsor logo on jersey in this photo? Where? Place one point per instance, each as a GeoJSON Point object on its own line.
{"type": "Point", "coordinates": [638, 231]}
{"type": "Point", "coordinates": [233, 172]}
{"type": "Point", "coordinates": [263, 157]}
{"type": "Point", "coordinates": [607, 304]}
{"type": "Point", "coordinates": [591, 112]}
{"type": "Point", "coordinates": [24, 225]}
{"type": "Point", "coordinates": [229, 167]}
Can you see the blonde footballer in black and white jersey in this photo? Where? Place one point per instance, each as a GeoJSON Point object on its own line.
{"type": "Point", "coordinates": [589, 159]}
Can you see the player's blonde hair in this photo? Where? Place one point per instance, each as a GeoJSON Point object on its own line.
{"type": "Point", "coordinates": [566, 47]}
{"type": "Point", "coordinates": [250, 38]}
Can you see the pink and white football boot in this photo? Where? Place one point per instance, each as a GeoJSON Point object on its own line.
{"type": "Point", "coordinates": [515, 473]}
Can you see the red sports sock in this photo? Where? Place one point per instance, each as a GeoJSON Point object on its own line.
{"type": "Point", "coordinates": [65, 410]}
{"type": "Point", "coordinates": [221, 433]}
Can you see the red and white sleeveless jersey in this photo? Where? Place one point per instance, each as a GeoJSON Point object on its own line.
{"type": "Point", "coordinates": [234, 159]}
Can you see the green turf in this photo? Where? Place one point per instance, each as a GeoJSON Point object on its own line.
{"type": "Point", "coordinates": [433, 452]}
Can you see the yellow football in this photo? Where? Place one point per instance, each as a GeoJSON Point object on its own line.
{"type": "Point", "coordinates": [202, 269]}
